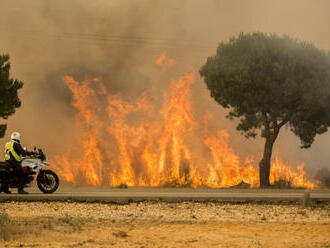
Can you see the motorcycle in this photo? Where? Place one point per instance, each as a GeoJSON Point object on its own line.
{"type": "Point", "coordinates": [47, 180]}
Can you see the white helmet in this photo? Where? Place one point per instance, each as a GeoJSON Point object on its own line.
{"type": "Point", "coordinates": [15, 136]}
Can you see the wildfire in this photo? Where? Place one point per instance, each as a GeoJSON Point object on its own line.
{"type": "Point", "coordinates": [170, 147]}
{"type": "Point", "coordinates": [164, 61]}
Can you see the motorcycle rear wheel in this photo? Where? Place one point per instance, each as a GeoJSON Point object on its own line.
{"type": "Point", "coordinates": [47, 181]}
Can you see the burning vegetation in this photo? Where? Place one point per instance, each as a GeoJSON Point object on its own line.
{"type": "Point", "coordinates": [138, 144]}
{"type": "Point", "coordinates": [164, 61]}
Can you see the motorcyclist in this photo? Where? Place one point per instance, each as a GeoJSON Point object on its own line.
{"type": "Point", "coordinates": [13, 156]}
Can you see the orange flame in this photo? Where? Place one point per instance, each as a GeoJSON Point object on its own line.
{"type": "Point", "coordinates": [169, 148]}
{"type": "Point", "coordinates": [164, 60]}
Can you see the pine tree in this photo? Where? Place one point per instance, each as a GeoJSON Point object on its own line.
{"type": "Point", "coordinates": [9, 87]}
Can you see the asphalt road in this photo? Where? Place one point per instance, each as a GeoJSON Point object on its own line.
{"type": "Point", "coordinates": [168, 194]}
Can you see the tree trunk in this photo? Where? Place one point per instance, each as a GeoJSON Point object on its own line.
{"type": "Point", "coordinates": [264, 165]}
{"type": "Point", "coordinates": [271, 134]}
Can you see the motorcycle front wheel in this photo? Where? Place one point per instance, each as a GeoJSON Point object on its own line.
{"type": "Point", "coordinates": [47, 181]}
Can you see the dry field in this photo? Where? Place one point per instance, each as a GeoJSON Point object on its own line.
{"type": "Point", "coordinates": [55, 224]}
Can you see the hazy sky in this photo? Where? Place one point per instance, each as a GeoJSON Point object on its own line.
{"type": "Point", "coordinates": [120, 40]}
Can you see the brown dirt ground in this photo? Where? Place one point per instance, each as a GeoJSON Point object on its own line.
{"type": "Point", "coordinates": [165, 225]}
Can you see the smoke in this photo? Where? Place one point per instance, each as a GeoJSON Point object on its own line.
{"type": "Point", "coordinates": [119, 42]}
{"type": "Point", "coordinates": [323, 176]}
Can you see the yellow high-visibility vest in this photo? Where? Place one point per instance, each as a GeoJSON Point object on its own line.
{"type": "Point", "coordinates": [9, 149]}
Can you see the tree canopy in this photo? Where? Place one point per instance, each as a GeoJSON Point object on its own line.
{"type": "Point", "coordinates": [267, 81]}
{"type": "Point", "coordinates": [9, 87]}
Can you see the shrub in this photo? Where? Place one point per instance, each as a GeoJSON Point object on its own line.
{"type": "Point", "coordinates": [282, 184]}
{"type": "Point", "coordinates": [74, 223]}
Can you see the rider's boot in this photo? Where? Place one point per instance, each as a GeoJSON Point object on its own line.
{"type": "Point", "coordinates": [5, 189]}
{"type": "Point", "coordinates": [22, 191]}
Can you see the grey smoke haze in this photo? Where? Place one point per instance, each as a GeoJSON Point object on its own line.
{"type": "Point", "coordinates": [120, 40]}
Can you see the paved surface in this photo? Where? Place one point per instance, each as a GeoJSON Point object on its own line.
{"type": "Point", "coordinates": [169, 195]}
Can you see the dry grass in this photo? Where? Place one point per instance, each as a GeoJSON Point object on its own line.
{"type": "Point", "coordinates": [75, 223]}
{"type": "Point", "coordinates": [163, 225]}
{"type": "Point", "coordinates": [12, 228]}
{"type": "Point", "coordinates": [7, 227]}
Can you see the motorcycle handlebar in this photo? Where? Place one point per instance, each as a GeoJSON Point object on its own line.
{"type": "Point", "coordinates": [38, 153]}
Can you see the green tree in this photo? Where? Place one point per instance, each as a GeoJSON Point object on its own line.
{"type": "Point", "coordinates": [266, 82]}
{"type": "Point", "coordinates": [9, 100]}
